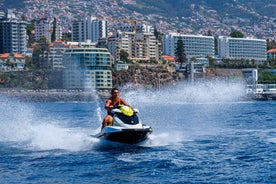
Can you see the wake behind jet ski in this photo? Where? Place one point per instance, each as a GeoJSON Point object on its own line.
{"type": "Point", "coordinates": [126, 127]}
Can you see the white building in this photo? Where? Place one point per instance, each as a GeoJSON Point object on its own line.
{"type": "Point", "coordinates": [242, 48]}
{"type": "Point", "coordinates": [250, 75]}
{"type": "Point", "coordinates": [133, 26]}
{"type": "Point", "coordinates": [112, 46]}
{"type": "Point", "coordinates": [13, 36]}
{"type": "Point", "coordinates": [89, 28]}
{"type": "Point", "coordinates": [195, 46]}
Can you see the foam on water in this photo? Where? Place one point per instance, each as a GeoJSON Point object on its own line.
{"type": "Point", "coordinates": [23, 126]}
{"type": "Point", "coordinates": [164, 139]}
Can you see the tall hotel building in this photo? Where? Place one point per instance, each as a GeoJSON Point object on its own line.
{"type": "Point", "coordinates": [13, 37]}
{"type": "Point", "coordinates": [90, 28]}
{"type": "Point", "coordinates": [197, 46]}
{"type": "Point", "coordinates": [242, 48]}
{"type": "Point", "coordinates": [87, 68]}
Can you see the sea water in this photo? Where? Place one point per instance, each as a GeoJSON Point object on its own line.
{"type": "Point", "coordinates": [201, 134]}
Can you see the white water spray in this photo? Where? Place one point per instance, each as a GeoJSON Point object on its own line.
{"type": "Point", "coordinates": [204, 92]}
{"type": "Point", "coordinates": [22, 125]}
{"type": "Point", "coordinates": [164, 109]}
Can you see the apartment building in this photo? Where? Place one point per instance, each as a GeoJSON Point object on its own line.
{"type": "Point", "coordinates": [141, 46]}
{"type": "Point", "coordinates": [45, 27]}
{"type": "Point", "coordinates": [54, 55]}
{"type": "Point", "coordinates": [195, 46]}
{"type": "Point", "coordinates": [87, 68]}
{"type": "Point", "coordinates": [89, 28]}
{"type": "Point", "coordinates": [12, 33]}
{"type": "Point", "coordinates": [242, 48]}
{"type": "Point", "coordinates": [125, 26]}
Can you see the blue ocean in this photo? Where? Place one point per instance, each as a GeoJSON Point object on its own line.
{"type": "Point", "coordinates": [202, 133]}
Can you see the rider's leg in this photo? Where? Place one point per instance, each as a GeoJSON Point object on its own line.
{"type": "Point", "coordinates": [108, 121]}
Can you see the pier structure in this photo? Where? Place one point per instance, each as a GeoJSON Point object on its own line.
{"type": "Point", "coordinates": [262, 91]}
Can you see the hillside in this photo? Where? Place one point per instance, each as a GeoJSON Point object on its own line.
{"type": "Point", "coordinates": [254, 18]}
{"type": "Point", "coordinates": [241, 8]}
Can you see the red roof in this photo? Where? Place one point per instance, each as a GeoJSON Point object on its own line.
{"type": "Point", "coordinates": [169, 58]}
{"type": "Point", "coordinates": [19, 56]}
{"type": "Point", "coordinates": [7, 55]}
{"type": "Point", "coordinates": [271, 50]}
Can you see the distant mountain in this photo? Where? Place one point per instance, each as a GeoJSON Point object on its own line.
{"type": "Point", "coordinates": [252, 17]}
{"type": "Point", "coordinates": [12, 3]}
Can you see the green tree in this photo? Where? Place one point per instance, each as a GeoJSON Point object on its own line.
{"type": "Point", "coordinates": [216, 44]}
{"type": "Point", "coordinates": [271, 44]}
{"type": "Point", "coordinates": [38, 59]}
{"type": "Point", "coordinates": [180, 52]}
{"type": "Point", "coordinates": [53, 35]}
{"type": "Point", "coordinates": [66, 36]}
{"type": "Point", "coordinates": [266, 78]}
{"type": "Point", "coordinates": [124, 56]}
{"type": "Point", "coordinates": [157, 34]}
{"type": "Point", "coordinates": [29, 29]}
{"type": "Point", "coordinates": [236, 34]}
{"type": "Point", "coordinates": [9, 64]}
{"type": "Point", "coordinates": [212, 61]}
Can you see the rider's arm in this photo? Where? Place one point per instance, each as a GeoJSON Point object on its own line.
{"type": "Point", "coordinates": [124, 103]}
{"type": "Point", "coordinates": [108, 105]}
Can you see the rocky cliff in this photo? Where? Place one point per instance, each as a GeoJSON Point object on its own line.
{"type": "Point", "coordinates": [147, 76]}
{"type": "Point", "coordinates": [158, 76]}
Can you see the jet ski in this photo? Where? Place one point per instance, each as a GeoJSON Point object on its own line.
{"type": "Point", "coordinates": [126, 128]}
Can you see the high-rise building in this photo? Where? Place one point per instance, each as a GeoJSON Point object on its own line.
{"type": "Point", "coordinates": [12, 34]}
{"type": "Point", "coordinates": [242, 48]}
{"type": "Point", "coordinates": [87, 68]}
{"type": "Point", "coordinates": [45, 28]}
{"type": "Point", "coordinates": [89, 28]}
{"type": "Point", "coordinates": [195, 46]}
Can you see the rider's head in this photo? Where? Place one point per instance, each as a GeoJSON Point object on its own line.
{"type": "Point", "coordinates": [115, 92]}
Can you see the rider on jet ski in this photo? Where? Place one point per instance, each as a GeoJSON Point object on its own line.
{"type": "Point", "coordinates": [113, 101]}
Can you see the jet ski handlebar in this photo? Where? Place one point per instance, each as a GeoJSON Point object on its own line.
{"type": "Point", "coordinates": [118, 110]}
